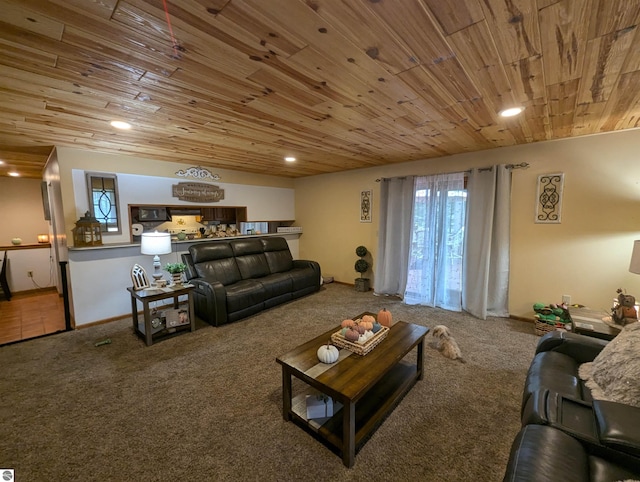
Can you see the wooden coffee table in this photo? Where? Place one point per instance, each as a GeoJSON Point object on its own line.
{"type": "Point", "coordinates": [368, 387]}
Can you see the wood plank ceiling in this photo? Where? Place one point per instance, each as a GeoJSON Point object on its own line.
{"type": "Point", "coordinates": [339, 84]}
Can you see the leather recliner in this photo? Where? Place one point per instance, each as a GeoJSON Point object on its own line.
{"type": "Point", "coordinates": [555, 365]}
{"type": "Point", "coordinates": [566, 434]}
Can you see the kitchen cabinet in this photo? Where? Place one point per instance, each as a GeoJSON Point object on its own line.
{"type": "Point", "coordinates": [225, 215]}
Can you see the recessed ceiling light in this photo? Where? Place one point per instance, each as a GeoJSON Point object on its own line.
{"type": "Point", "coordinates": [121, 125]}
{"type": "Point", "coordinates": [511, 111]}
{"type": "Point", "coordinates": [290, 159]}
{"type": "Point", "coordinates": [14, 174]}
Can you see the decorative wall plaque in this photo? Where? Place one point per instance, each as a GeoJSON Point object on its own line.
{"type": "Point", "coordinates": [365, 206]}
{"type": "Point", "coordinates": [197, 192]}
{"type": "Point", "coordinates": [549, 198]}
{"type": "Point", "coordinates": [198, 172]}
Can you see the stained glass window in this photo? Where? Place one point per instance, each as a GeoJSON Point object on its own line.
{"type": "Point", "coordinates": [103, 197]}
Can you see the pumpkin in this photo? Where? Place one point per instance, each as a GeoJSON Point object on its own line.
{"type": "Point", "coordinates": [344, 330]}
{"type": "Point", "coordinates": [368, 318]}
{"type": "Point", "coordinates": [368, 325]}
{"type": "Point", "coordinates": [376, 327]}
{"type": "Point", "coordinates": [328, 353]}
{"type": "Point", "coordinates": [385, 318]}
{"type": "Point", "coordinates": [347, 323]}
{"type": "Point", "coordinates": [352, 335]}
{"type": "Point", "coordinates": [361, 329]}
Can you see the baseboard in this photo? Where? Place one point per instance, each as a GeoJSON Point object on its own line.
{"type": "Point", "coordinates": [522, 318]}
{"type": "Point", "coordinates": [35, 291]}
{"type": "Point", "coordinates": [342, 283]}
{"type": "Point", "coordinates": [101, 322]}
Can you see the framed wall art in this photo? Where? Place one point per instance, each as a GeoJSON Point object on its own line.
{"type": "Point", "coordinates": [365, 206]}
{"type": "Point", "coordinates": [549, 198]}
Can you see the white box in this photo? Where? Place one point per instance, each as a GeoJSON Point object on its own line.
{"type": "Point", "coordinates": [175, 317]}
{"type": "Point", "coordinates": [319, 406]}
{"type": "Point", "coordinates": [289, 229]}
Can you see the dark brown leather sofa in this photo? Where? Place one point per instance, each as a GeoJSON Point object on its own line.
{"type": "Point", "coordinates": [566, 435]}
{"type": "Point", "coordinates": [237, 278]}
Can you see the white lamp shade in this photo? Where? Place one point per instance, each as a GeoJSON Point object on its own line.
{"type": "Point", "coordinates": [155, 243]}
{"type": "Point", "coordinates": [634, 266]}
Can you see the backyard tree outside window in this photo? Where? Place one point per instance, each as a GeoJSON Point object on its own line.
{"type": "Point", "coordinates": [103, 201]}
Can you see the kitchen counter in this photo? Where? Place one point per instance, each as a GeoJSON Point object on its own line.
{"type": "Point", "coordinates": [175, 241]}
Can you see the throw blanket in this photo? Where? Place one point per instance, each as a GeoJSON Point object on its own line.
{"type": "Point", "coordinates": [614, 374]}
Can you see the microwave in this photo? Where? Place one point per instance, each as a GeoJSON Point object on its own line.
{"type": "Point", "coordinates": [152, 213]}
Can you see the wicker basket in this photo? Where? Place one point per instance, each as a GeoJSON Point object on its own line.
{"type": "Point", "coordinates": [359, 348]}
{"type": "Point", "coordinates": [542, 328]}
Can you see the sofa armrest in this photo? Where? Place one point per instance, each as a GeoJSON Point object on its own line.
{"type": "Point", "coordinates": [579, 347]}
{"type": "Point", "coordinates": [305, 263]}
{"type": "Point", "coordinates": [210, 299]}
{"type": "Point", "coordinates": [618, 426]}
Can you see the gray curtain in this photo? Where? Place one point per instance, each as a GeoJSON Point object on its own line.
{"type": "Point", "coordinates": [396, 204]}
{"type": "Point", "coordinates": [485, 289]}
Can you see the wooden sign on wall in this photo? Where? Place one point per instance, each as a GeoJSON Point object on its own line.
{"type": "Point", "coordinates": [197, 192]}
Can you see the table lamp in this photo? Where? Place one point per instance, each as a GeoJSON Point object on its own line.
{"type": "Point", "coordinates": [634, 265]}
{"type": "Point", "coordinates": [155, 243]}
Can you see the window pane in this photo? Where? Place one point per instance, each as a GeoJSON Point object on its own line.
{"type": "Point", "coordinates": [104, 201]}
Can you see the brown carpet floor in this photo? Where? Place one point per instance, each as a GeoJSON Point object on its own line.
{"type": "Point", "coordinates": [207, 405]}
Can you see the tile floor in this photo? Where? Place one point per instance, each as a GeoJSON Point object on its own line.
{"type": "Point", "coordinates": [30, 315]}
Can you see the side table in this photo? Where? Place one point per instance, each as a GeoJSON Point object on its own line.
{"type": "Point", "coordinates": [589, 322]}
{"type": "Point", "coordinates": [146, 296]}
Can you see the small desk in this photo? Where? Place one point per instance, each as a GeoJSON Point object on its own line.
{"type": "Point", "coordinates": [146, 296]}
{"type": "Point", "coordinates": [589, 322]}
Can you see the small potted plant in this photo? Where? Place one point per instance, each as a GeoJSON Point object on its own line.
{"type": "Point", "coordinates": [362, 266]}
{"type": "Point", "coordinates": [176, 270]}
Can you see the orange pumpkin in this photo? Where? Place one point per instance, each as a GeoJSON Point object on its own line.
{"type": "Point", "coordinates": [385, 318]}
{"type": "Point", "coordinates": [347, 323]}
{"type": "Point", "coordinates": [368, 318]}
{"type": "Point", "coordinates": [367, 325]}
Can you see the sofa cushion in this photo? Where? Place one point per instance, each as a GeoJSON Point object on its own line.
{"type": "Point", "coordinates": [555, 372]}
{"type": "Point", "coordinates": [215, 262]}
{"type": "Point", "coordinates": [245, 294]}
{"type": "Point", "coordinates": [604, 470]}
{"type": "Point", "coordinates": [615, 373]}
{"type": "Point", "coordinates": [543, 453]}
{"type": "Point", "coordinates": [277, 254]}
{"type": "Point", "coordinates": [250, 258]}
{"type": "Point", "coordinates": [210, 251]}
{"type": "Point", "coordinates": [277, 284]}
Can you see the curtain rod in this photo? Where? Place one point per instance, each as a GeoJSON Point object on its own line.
{"type": "Point", "coordinates": [522, 165]}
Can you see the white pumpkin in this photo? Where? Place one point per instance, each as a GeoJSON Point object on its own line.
{"type": "Point", "coordinates": [328, 353]}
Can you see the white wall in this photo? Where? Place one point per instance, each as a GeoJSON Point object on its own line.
{"type": "Point", "coordinates": [39, 261]}
{"type": "Point", "coordinates": [263, 203]}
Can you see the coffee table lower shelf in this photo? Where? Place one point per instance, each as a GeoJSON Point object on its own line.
{"type": "Point", "coordinates": [370, 411]}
